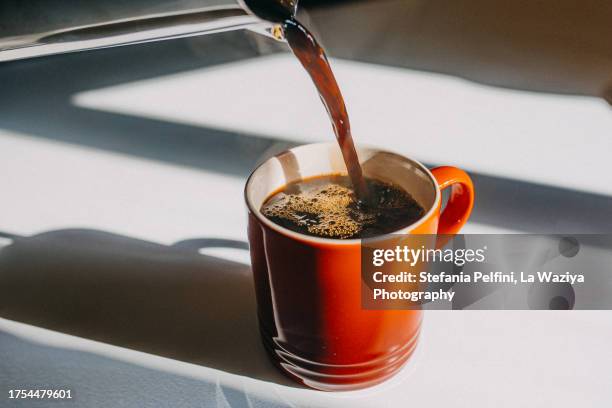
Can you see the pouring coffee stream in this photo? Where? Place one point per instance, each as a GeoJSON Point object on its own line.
{"type": "Point", "coordinates": [313, 58]}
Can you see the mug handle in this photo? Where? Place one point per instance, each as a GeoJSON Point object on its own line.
{"type": "Point", "coordinates": [461, 200]}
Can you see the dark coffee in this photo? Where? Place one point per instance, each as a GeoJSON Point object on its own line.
{"type": "Point", "coordinates": [314, 60]}
{"type": "Point", "coordinates": [327, 207]}
{"type": "Point", "coordinates": [312, 57]}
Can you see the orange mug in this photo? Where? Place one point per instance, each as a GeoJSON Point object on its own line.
{"type": "Point", "coordinates": [309, 289]}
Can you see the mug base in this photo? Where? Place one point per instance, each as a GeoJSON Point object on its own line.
{"type": "Point", "coordinates": [327, 377]}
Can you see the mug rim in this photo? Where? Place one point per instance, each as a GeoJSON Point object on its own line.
{"type": "Point", "coordinates": [333, 241]}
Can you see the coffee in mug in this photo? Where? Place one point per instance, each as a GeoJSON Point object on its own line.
{"type": "Point", "coordinates": [328, 207]}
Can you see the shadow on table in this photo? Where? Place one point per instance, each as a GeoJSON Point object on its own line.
{"type": "Point", "coordinates": [170, 301]}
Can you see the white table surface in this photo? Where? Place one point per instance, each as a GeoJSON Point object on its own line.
{"type": "Point", "coordinates": [465, 359]}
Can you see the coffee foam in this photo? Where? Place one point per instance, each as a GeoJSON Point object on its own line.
{"type": "Point", "coordinates": [325, 211]}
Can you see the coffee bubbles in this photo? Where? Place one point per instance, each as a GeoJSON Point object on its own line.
{"type": "Point", "coordinates": [327, 207]}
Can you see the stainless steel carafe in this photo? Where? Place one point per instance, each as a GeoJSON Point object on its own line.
{"type": "Point", "coordinates": [42, 27]}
